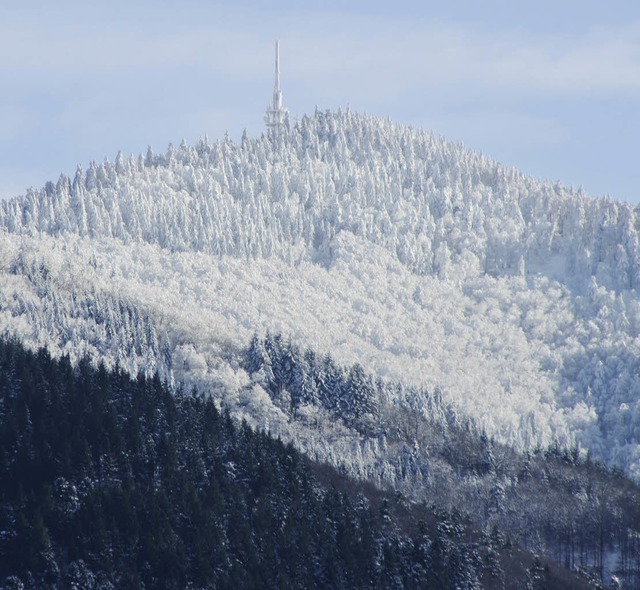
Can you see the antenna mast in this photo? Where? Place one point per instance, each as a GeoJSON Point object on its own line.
{"type": "Point", "coordinates": [275, 115]}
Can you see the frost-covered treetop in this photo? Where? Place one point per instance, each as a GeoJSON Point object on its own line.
{"type": "Point", "coordinates": [439, 207]}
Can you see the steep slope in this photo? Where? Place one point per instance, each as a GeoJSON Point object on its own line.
{"type": "Point", "coordinates": [428, 264]}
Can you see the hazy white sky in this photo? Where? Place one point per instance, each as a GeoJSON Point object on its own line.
{"type": "Point", "coordinates": [550, 87]}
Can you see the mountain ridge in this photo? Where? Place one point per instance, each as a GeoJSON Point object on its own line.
{"type": "Point", "coordinates": [355, 170]}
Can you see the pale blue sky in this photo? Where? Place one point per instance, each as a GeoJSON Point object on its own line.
{"type": "Point", "coordinates": [550, 87]}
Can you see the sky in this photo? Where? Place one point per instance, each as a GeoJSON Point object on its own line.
{"type": "Point", "coordinates": [552, 88]}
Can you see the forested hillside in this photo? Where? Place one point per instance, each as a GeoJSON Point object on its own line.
{"type": "Point", "coordinates": [421, 260]}
{"type": "Point", "coordinates": [112, 482]}
{"type": "Point", "coordinates": [396, 307]}
{"type": "Point", "coordinates": [550, 501]}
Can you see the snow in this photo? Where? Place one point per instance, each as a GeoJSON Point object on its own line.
{"type": "Point", "coordinates": [426, 263]}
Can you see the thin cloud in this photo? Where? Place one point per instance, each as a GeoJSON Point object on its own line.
{"type": "Point", "coordinates": [359, 54]}
{"type": "Point", "coordinates": [507, 128]}
{"type": "Point", "coordinates": [13, 119]}
{"type": "Point", "coordinates": [89, 52]}
{"type": "Point", "coordinates": [390, 62]}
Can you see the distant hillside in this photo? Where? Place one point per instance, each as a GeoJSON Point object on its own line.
{"type": "Point", "coordinates": [428, 264]}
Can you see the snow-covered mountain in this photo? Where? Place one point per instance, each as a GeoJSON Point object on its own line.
{"type": "Point", "coordinates": [509, 299]}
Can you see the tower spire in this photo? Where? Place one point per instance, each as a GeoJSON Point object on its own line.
{"type": "Point", "coordinates": [278, 66]}
{"type": "Point", "coordinates": [275, 115]}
